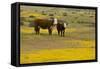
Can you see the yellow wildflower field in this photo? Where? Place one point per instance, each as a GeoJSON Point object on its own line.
{"type": "Point", "coordinates": [45, 48]}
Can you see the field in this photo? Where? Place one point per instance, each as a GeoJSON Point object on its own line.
{"type": "Point", "coordinates": [44, 48]}
{"type": "Point", "coordinates": [78, 43]}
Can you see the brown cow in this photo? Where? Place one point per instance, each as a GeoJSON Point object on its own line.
{"type": "Point", "coordinates": [44, 24]}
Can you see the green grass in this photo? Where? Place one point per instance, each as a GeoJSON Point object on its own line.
{"type": "Point", "coordinates": [73, 37]}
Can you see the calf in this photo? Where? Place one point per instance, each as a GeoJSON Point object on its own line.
{"type": "Point", "coordinates": [61, 26]}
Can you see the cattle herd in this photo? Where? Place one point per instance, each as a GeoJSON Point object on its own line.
{"type": "Point", "coordinates": [50, 24]}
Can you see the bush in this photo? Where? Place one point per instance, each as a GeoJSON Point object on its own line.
{"type": "Point", "coordinates": [51, 14]}
{"type": "Point", "coordinates": [21, 23]}
{"type": "Point", "coordinates": [64, 14]}
{"type": "Point", "coordinates": [31, 16]}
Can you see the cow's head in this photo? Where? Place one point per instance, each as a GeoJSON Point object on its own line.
{"type": "Point", "coordinates": [55, 21]}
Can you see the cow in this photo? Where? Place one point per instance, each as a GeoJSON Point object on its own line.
{"type": "Point", "coordinates": [44, 24]}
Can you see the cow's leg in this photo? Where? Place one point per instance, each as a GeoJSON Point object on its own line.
{"type": "Point", "coordinates": [38, 31]}
{"type": "Point", "coordinates": [35, 29]}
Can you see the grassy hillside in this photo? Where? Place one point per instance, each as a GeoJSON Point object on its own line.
{"type": "Point", "coordinates": [70, 15]}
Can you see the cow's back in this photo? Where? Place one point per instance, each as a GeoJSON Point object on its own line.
{"type": "Point", "coordinates": [43, 23]}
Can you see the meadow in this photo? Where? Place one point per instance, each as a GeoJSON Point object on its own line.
{"type": "Point", "coordinates": [78, 43]}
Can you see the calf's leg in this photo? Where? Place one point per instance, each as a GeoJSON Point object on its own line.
{"type": "Point", "coordinates": [63, 33]}
{"type": "Point", "coordinates": [58, 32]}
{"type": "Point", "coordinates": [50, 31]}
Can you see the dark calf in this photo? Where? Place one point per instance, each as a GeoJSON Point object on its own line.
{"type": "Point", "coordinates": [61, 29]}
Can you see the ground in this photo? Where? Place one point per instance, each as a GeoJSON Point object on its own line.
{"type": "Point", "coordinates": [78, 44]}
